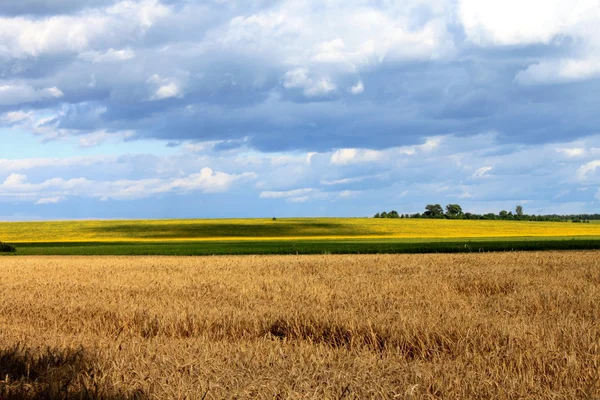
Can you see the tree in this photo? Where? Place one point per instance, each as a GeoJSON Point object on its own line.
{"type": "Point", "coordinates": [519, 210]}
{"type": "Point", "coordinates": [377, 215]}
{"type": "Point", "coordinates": [434, 211]}
{"type": "Point", "coordinates": [503, 214]}
{"type": "Point", "coordinates": [393, 214]}
{"type": "Point", "coordinates": [384, 214]}
{"type": "Point", "coordinates": [454, 210]}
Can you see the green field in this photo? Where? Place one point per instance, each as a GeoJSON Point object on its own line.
{"type": "Point", "coordinates": [293, 236]}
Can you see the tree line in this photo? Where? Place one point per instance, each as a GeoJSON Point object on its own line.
{"type": "Point", "coordinates": [455, 211]}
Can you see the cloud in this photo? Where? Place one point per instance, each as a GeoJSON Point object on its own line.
{"type": "Point", "coordinates": [19, 94]}
{"type": "Point", "coordinates": [164, 88]}
{"type": "Point", "coordinates": [17, 186]}
{"type": "Point", "coordinates": [514, 22]}
{"type": "Point", "coordinates": [572, 152]}
{"type": "Point", "coordinates": [16, 117]}
{"type": "Point", "coordinates": [481, 172]}
{"type": "Point", "coordinates": [110, 55]}
{"type": "Point", "coordinates": [353, 156]}
{"type": "Point", "coordinates": [50, 200]}
{"type": "Point", "coordinates": [14, 180]}
{"type": "Point", "coordinates": [296, 193]}
{"type": "Point", "coordinates": [588, 170]}
{"type": "Point", "coordinates": [26, 36]}
{"type": "Point", "coordinates": [299, 78]}
{"type": "Point", "coordinates": [560, 71]}
{"type": "Point", "coordinates": [358, 88]}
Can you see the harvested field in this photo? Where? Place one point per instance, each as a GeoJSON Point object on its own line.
{"type": "Point", "coordinates": [496, 325]}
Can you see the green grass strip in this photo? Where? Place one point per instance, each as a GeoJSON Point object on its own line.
{"type": "Point", "coordinates": [299, 247]}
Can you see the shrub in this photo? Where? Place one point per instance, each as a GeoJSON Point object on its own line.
{"type": "Point", "coordinates": [7, 248]}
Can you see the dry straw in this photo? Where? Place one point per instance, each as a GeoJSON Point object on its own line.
{"type": "Point", "coordinates": [502, 326]}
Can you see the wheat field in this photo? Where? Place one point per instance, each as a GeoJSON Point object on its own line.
{"type": "Point", "coordinates": [482, 326]}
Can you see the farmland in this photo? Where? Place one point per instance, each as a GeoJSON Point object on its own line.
{"type": "Point", "coordinates": [495, 325]}
{"type": "Point", "coordinates": [292, 236]}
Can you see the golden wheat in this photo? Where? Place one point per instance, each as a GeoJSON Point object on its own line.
{"type": "Point", "coordinates": [504, 325]}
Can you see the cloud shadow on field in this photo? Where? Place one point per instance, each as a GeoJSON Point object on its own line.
{"type": "Point", "coordinates": [28, 374]}
{"type": "Point", "coordinates": [207, 230]}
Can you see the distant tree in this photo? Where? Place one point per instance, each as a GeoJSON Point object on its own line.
{"type": "Point", "coordinates": [454, 210]}
{"type": "Point", "coordinates": [503, 214]}
{"type": "Point", "coordinates": [519, 210]}
{"type": "Point", "coordinates": [384, 215]}
{"type": "Point", "coordinates": [393, 214]}
{"type": "Point", "coordinates": [377, 215]}
{"type": "Point", "coordinates": [433, 211]}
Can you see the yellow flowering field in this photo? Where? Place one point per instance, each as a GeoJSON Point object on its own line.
{"type": "Point", "coordinates": [285, 229]}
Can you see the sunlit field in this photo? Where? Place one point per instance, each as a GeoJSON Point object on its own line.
{"type": "Point", "coordinates": [477, 326]}
{"type": "Point", "coordinates": [285, 229]}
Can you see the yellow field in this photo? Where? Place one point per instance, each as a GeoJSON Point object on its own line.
{"type": "Point", "coordinates": [285, 229]}
{"type": "Point", "coordinates": [480, 326]}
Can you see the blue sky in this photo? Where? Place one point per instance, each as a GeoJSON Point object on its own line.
{"type": "Point", "coordinates": [225, 108]}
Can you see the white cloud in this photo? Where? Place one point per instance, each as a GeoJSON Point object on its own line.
{"type": "Point", "coordinates": [164, 88]}
{"type": "Point", "coordinates": [353, 156]}
{"type": "Point", "coordinates": [16, 116]}
{"type": "Point", "coordinates": [14, 180]}
{"type": "Point", "coordinates": [345, 181]}
{"type": "Point", "coordinates": [358, 88]}
{"type": "Point", "coordinates": [559, 71]}
{"type": "Point", "coordinates": [99, 137]}
{"type": "Point", "coordinates": [296, 193]}
{"type": "Point", "coordinates": [572, 152]}
{"type": "Point", "coordinates": [300, 79]}
{"type": "Point", "coordinates": [17, 186]}
{"type": "Point", "coordinates": [302, 199]}
{"type": "Point", "coordinates": [110, 55]}
{"type": "Point", "coordinates": [9, 165]}
{"type": "Point", "coordinates": [349, 193]}
{"type": "Point", "coordinates": [29, 37]}
{"type": "Point", "coordinates": [19, 94]}
{"type": "Point", "coordinates": [50, 200]}
{"type": "Point", "coordinates": [516, 22]}
{"type": "Point", "coordinates": [588, 170]}
{"type": "Point", "coordinates": [481, 172]}
{"type": "Point", "coordinates": [317, 42]}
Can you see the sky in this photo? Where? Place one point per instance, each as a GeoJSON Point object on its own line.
{"type": "Point", "coordinates": [282, 108]}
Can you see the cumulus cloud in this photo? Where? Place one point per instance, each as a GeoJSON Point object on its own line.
{"type": "Point", "coordinates": [560, 71]}
{"type": "Point", "coordinates": [17, 186]}
{"type": "Point", "coordinates": [299, 78]}
{"type": "Point", "coordinates": [26, 36]}
{"type": "Point", "coordinates": [514, 22]}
